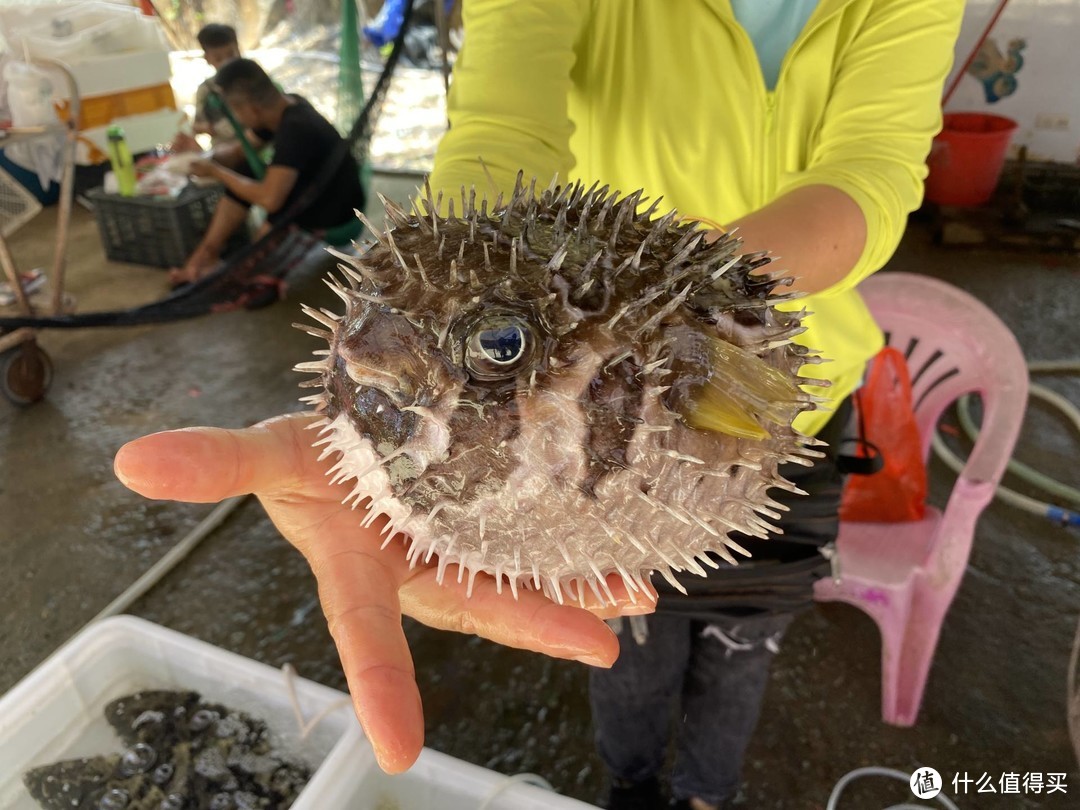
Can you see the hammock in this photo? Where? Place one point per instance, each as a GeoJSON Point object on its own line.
{"type": "Point", "coordinates": [250, 274]}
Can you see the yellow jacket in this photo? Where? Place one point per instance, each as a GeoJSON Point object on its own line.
{"type": "Point", "coordinates": [668, 95]}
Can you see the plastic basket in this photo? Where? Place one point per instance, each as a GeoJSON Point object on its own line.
{"type": "Point", "coordinates": [155, 231]}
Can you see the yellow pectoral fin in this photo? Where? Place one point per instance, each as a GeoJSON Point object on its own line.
{"type": "Point", "coordinates": [741, 392]}
{"type": "Point", "coordinates": [717, 410]}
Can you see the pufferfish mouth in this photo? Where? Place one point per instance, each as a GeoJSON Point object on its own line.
{"type": "Point", "coordinates": [401, 393]}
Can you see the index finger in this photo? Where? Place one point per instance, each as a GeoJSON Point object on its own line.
{"type": "Point", "coordinates": [359, 596]}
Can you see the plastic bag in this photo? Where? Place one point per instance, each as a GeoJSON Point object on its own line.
{"type": "Point", "coordinates": [896, 491]}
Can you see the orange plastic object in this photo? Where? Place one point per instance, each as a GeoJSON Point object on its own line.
{"type": "Point", "coordinates": [967, 158]}
{"type": "Point", "coordinates": [896, 492]}
{"type": "Point", "coordinates": [99, 111]}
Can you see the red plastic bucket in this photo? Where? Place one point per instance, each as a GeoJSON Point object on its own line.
{"type": "Point", "coordinates": [966, 159]}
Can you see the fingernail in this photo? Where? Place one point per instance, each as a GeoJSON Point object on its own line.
{"type": "Point", "coordinates": [118, 462]}
{"type": "Point", "coordinates": [382, 759]}
{"type": "Point", "coordinates": [592, 660]}
{"type": "Point", "coordinates": [123, 479]}
{"type": "Point", "coordinates": [637, 610]}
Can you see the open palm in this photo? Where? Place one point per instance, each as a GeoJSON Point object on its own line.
{"type": "Point", "coordinates": [364, 590]}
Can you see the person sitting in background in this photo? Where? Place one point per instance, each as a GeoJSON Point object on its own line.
{"type": "Point", "coordinates": [302, 141]}
{"type": "Point", "coordinates": [220, 46]}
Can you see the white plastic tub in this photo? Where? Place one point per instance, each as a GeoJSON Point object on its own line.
{"type": "Point", "coordinates": [441, 782]}
{"type": "Point", "coordinates": [56, 713]}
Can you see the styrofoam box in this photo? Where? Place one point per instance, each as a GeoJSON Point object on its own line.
{"type": "Point", "coordinates": [106, 75]}
{"type": "Point", "coordinates": [56, 712]}
{"type": "Point", "coordinates": [142, 131]}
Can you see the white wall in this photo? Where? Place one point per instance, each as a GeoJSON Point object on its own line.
{"type": "Point", "coordinates": [1046, 101]}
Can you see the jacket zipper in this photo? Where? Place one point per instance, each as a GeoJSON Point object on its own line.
{"type": "Point", "coordinates": [768, 155]}
{"type": "Point", "coordinates": [768, 150]}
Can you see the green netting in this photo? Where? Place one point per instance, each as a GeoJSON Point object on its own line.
{"type": "Point", "coordinates": [350, 85]}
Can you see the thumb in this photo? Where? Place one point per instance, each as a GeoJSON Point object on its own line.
{"type": "Point", "coordinates": [205, 465]}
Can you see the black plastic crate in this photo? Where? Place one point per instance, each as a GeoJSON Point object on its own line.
{"type": "Point", "coordinates": [156, 231]}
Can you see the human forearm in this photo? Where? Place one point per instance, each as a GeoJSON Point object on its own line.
{"type": "Point", "coordinates": [508, 103]}
{"type": "Point", "coordinates": [270, 193]}
{"type": "Point", "coordinates": [817, 233]}
{"type": "Point", "coordinates": [247, 189]}
{"type": "Point", "coordinates": [842, 216]}
{"type": "Point", "coordinates": [229, 155]}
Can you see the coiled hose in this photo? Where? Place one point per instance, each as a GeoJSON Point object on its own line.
{"type": "Point", "coordinates": [1064, 516]}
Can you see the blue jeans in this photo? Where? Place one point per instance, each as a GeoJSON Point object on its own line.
{"type": "Point", "coordinates": [716, 670]}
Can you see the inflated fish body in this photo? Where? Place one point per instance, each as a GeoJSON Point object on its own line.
{"type": "Point", "coordinates": [559, 387]}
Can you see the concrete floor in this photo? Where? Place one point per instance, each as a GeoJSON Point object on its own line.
{"type": "Point", "coordinates": [73, 538]}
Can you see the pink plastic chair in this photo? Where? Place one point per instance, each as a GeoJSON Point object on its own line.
{"type": "Point", "coordinates": [904, 575]}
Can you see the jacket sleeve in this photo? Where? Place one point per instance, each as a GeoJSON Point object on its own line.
{"type": "Point", "coordinates": [881, 118]}
{"type": "Point", "coordinates": [508, 101]}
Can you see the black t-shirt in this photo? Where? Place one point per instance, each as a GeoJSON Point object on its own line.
{"type": "Point", "coordinates": [303, 141]}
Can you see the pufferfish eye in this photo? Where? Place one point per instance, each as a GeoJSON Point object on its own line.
{"type": "Point", "coordinates": [498, 347]}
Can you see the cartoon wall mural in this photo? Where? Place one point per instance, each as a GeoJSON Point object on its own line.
{"type": "Point", "coordinates": [996, 71]}
{"type": "Point", "coordinates": [1024, 66]}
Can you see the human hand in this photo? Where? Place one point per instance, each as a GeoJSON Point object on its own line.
{"type": "Point", "coordinates": [184, 143]}
{"type": "Point", "coordinates": [228, 155]}
{"type": "Point", "coordinates": [364, 590]}
{"type": "Point", "coordinates": [202, 168]}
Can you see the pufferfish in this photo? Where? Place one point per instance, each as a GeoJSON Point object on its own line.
{"type": "Point", "coordinates": [559, 387]}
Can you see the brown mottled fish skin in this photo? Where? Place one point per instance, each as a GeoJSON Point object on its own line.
{"type": "Point", "coordinates": [559, 387]}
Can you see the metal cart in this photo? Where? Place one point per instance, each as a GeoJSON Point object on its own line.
{"type": "Point", "coordinates": [25, 369]}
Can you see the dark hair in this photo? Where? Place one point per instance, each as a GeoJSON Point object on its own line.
{"type": "Point", "coordinates": [244, 78]}
{"type": "Point", "coordinates": [216, 35]}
